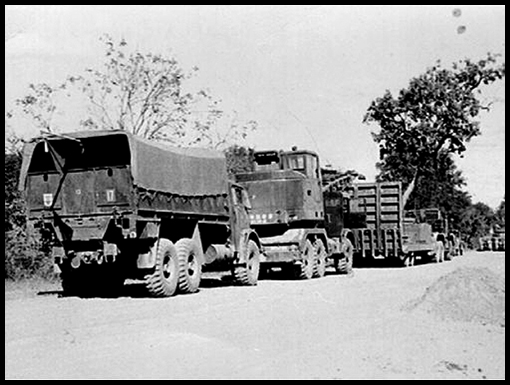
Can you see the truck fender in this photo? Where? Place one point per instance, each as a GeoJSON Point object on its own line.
{"type": "Point", "coordinates": [197, 239]}
{"type": "Point", "coordinates": [246, 236]}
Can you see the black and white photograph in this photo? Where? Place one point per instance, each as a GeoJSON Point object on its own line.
{"type": "Point", "coordinates": [254, 192]}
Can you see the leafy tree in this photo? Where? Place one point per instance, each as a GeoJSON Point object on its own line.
{"type": "Point", "coordinates": [429, 121]}
{"type": "Point", "coordinates": [476, 222]}
{"type": "Point", "coordinates": [433, 114]}
{"type": "Point", "coordinates": [441, 189]}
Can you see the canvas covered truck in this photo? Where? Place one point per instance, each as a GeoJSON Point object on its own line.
{"type": "Point", "coordinates": [288, 214]}
{"type": "Point", "coordinates": [375, 217]}
{"type": "Point", "coordinates": [117, 206]}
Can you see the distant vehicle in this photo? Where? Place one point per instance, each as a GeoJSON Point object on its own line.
{"type": "Point", "coordinates": [442, 229]}
{"type": "Point", "coordinates": [494, 242]}
{"type": "Point", "coordinates": [381, 231]}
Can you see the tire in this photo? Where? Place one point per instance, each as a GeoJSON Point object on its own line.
{"type": "Point", "coordinates": [408, 260]}
{"type": "Point", "coordinates": [305, 269]}
{"type": "Point", "coordinates": [248, 275]}
{"type": "Point", "coordinates": [163, 281]}
{"type": "Point", "coordinates": [190, 266]}
{"type": "Point", "coordinates": [319, 268]}
{"type": "Point", "coordinates": [344, 265]}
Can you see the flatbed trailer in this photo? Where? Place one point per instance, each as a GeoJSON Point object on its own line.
{"type": "Point", "coordinates": [380, 230]}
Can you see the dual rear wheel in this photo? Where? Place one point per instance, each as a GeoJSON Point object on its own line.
{"type": "Point", "coordinates": [313, 260]}
{"type": "Point", "coordinates": [177, 268]}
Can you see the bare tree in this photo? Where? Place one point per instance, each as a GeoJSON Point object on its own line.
{"type": "Point", "coordinates": [147, 94]}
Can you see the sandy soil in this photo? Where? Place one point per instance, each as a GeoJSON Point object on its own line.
{"type": "Point", "coordinates": [368, 325]}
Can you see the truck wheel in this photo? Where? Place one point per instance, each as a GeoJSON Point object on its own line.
{"type": "Point", "coordinates": [319, 268]}
{"type": "Point", "coordinates": [306, 267]}
{"type": "Point", "coordinates": [248, 275]}
{"type": "Point", "coordinates": [190, 268]}
{"type": "Point", "coordinates": [344, 265]}
{"type": "Point", "coordinates": [163, 281]}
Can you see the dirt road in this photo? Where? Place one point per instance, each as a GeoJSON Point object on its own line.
{"type": "Point", "coordinates": [335, 327]}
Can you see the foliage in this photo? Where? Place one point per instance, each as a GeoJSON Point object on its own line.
{"type": "Point", "coordinates": [150, 95]}
{"type": "Point", "coordinates": [433, 114]}
{"type": "Point", "coordinates": [441, 189]}
{"type": "Point", "coordinates": [239, 159]}
{"type": "Point", "coordinates": [428, 122]}
{"type": "Point", "coordinates": [39, 105]}
{"type": "Point", "coordinates": [25, 254]}
{"type": "Point", "coordinates": [476, 222]}
{"type": "Point", "coordinates": [14, 215]}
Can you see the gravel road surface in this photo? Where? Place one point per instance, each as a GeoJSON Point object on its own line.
{"type": "Point", "coordinates": [357, 326]}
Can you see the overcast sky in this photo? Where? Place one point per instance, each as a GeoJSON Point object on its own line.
{"type": "Point", "coordinates": [307, 74]}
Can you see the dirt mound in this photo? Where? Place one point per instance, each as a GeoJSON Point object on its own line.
{"type": "Point", "coordinates": [466, 294]}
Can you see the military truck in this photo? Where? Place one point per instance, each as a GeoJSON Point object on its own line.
{"type": "Point", "coordinates": [381, 230]}
{"type": "Point", "coordinates": [493, 242]}
{"type": "Point", "coordinates": [117, 206]}
{"type": "Point", "coordinates": [288, 213]}
{"type": "Point", "coordinates": [440, 227]}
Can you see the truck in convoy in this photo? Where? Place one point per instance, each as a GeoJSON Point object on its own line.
{"type": "Point", "coordinates": [375, 216]}
{"type": "Point", "coordinates": [117, 206]}
{"type": "Point", "coordinates": [308, 220]}
{"type": "Point", "coordinates": [288, 214]}
{"type": "Point", "coordinates": [495, 241]}
{"type": "Point", "coordinates": [441, 228]}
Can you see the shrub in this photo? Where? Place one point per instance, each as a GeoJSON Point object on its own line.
{"type": "Point", "coordinates": [26, 256]}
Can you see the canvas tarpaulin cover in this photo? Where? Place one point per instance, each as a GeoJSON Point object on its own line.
{"type": "Point", "coordinates": [154, 166]}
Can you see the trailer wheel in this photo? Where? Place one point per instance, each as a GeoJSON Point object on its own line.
{"type": "Point", "coordinates": [163, 281]}
{"type": "Point", "coordinates": [306, 267]}
{"type": "Point", "coordinates": [248, 275]}
{"type": "Point", "coordinates": [408, 259]}
{"type": "Point", "coordinates": [190, 267]}
{"type": "Point", "coordinates": [320, 259]}
{"type": "Point", "coordinates": [344, 265]}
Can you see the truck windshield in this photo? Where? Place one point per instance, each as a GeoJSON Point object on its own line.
{"type": "Point", "coordinates": [296, 163]}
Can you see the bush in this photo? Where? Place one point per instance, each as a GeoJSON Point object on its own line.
{"type": "Point", "coordinates": [25, 256]}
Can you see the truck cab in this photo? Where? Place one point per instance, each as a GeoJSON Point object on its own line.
{"type": "Point", "coordinates": [285, 188]}
{"type": "Point", "coordinates": [286, 194]}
